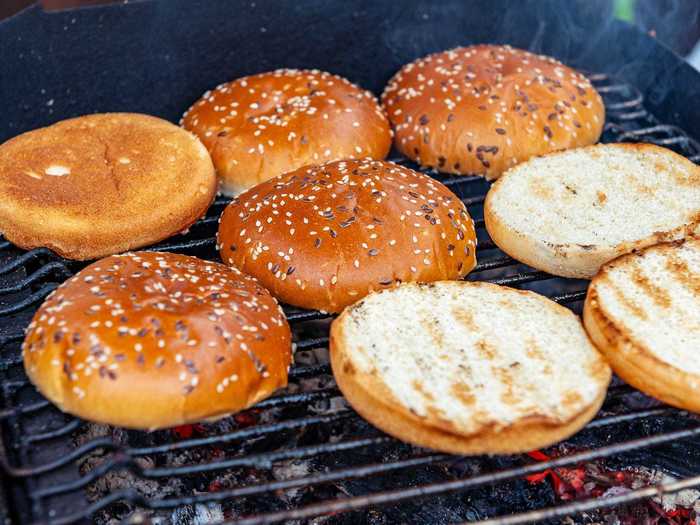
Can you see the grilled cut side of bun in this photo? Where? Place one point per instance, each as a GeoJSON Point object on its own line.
{"type": "Point", "coordinates": [568, 213]}
{"type": "Point", "coordinates": [468, 367]}
{"type": "Point", "coordinates": [643, 312]}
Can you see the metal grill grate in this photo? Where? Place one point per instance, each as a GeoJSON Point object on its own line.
{"type": "Point", "coordinates": [304, 453]}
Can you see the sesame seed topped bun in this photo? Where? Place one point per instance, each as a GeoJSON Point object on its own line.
{"type": "Point", "coordinates": [150, 340]}
{"type": "Point", "coordinates": [260, 126]}
{"type": "Point", "coordinates": [482, 109]}
{"type": "Point", "coordinates": [325, 236]}
{"type": "Point", "coordinates": [102, 184]}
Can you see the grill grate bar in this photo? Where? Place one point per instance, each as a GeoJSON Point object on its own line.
{"type": "Point", "coordinates": [135, 497]}
{"type": "Point", "coordinates": [441, 488]}
{"type": "Point", "coordinates": [312, 343]}
{"type": "Point", "coordinates": [578, 507]}
{"type": "Point", "coordinates": [182, 246]}
{"type": "Point", "coordinates": [522, 278]}
{"type": "Point", "coordinates": [569, 297]}
{"type": "Point", "coordinates": [245, 433]}
{"type": "Point", "coordinates": [8, 362]}
{"type": "Point", "coordinates": [125, 460]}
{"type": "Point", "coordinates": [65, 430]}
{"type": "Point", "coordinates": [21, 260]}
{"type": "Point", "coordinates": [53, 268]}
{"type": "Point", "coordinates": [30, 300]}
{"type": "Point", "coordinates": [25, 409]}
{"type": "Point", "coordinates": [260, 461]}
{"type": "Point", "coordinates": [105, 443]}
{"type": "Point", "coordinates": [492, 264]}
{"type": "Point", "coordinates": [309, 371]}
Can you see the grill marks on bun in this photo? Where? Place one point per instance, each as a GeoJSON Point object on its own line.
{"type": "Point", "coordinates": [259, 126]}
{"type": "Point", "coordinates": [482, 109]}
{"type": "Point", "coordinates": [468, 367]}
{"type": "Point", "coordinates": [150, 340]}
{"type": "Point", "coordinates": [642, 311]}
{"type": "Point", "coordinates": [324, 236]}
{"type": "Point", "coordinates": [570, 212]}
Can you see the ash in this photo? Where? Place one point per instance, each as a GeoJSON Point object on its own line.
{"type": "Point", "coordinates": [599, 479]}
{"type": "Point", "coordinates": [596, 480]}
{"type": "Point", "coordinates": [132, 474]}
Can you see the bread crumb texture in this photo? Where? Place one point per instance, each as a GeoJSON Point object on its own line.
{"type": "Point", "coordinates": [654, 298]}
{"type": "Point", "coordinates": [604, 195]}
{"type": "Point", "coordinates": [474, 355]}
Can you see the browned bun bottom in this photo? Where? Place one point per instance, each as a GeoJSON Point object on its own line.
{"type": "Point", "coordinates": [102, 184]}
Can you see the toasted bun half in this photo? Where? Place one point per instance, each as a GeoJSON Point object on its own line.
{"type": "Point", "coordinates": [149, 340]}
{"type": "Point", "coordinates": [468, 367]}
{"type": "Point", "coordinates": [570, 212]}
{"type": "Point", "coordinates": [482, 109]}
{"type": "Point", "coordinates": [261, 126]}
{"type": "Point", "coordinates": [102, 184]}
{"type": "Point", "coordinates": [643, 312]}
{"type": "Point", "coordinates": [322, 237]}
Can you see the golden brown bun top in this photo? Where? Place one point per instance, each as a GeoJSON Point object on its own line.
{"type": "Point", "coordinates": [100, 184]}
{"type": "Point", "coordinates": [484, 108]}
{"type": "Point", "coordinates": [150, 340]}
{"type": "Point", "coordinates": [324, 236]}
{"type": "Point", "coordinates": [261, 126]}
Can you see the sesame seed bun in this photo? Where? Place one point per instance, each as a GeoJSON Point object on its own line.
{"type": "Point", "coordinates": [323, 237]}
{"type": "Point", "coordinates": [102, 184]}
{"type": "Point", "coordinates": [260, 126]}
{"type": "Point", "coordinates": [482, 109]}
{"type": "Point", "coordinates": [150, 340]}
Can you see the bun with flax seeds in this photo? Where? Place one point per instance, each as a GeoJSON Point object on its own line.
{"type": "Point", "coordinates": [149, 340]}
{"type": "Point", "coordinates": [259, 126]}
{"type": "Point", "coordinates": [102, 184]}
{"type": "Point", "coordinates": [642, 311]}
{"type": "Point", "coordinates": [468, 367]}
{"type": "Point", "coordinates": [482, 109]}
{"type": "Point", "coordinates": [322, 237]}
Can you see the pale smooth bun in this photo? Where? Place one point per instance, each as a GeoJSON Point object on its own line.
{"type": "Point", "coordinates": [643, 312]}
{"type": "Point", "coordinates": [468, 367]}
{"type": "Point", "coordinates": [102, 184]}
{"type": "Point", "coordinates": [570, 212]}
{"type": "Point", "coordinates": [322, 237]}
{"type": "Point", "coordinates": [261, 126]}
{"type": "Point", "coordinates": [150, 340]}
{"type": "Point", "coordinates": [482, 109]}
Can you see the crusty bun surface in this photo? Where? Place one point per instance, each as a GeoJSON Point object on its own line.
{"type": "Point", "coordinates": [570, 212]}
{"type": "Point", "coordinates": [102, 184]}
{"type": "Point", "coordinates": [482, 109]}
{"type": "Point", "coordinates": [149, 340]}
{"type": "Point", "coordinates": [643, 312]}
{"type": "Point", "coordinates": [468, 367]}
{"type": "Point", "coordinates": [261, 126]}
{"type": "Point", "coordinates": [322, 237]}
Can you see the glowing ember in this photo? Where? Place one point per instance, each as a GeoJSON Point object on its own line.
{"type": "Point", "coordinates": [593, 480]}
{"type": "Point", "coordinates": [187, 431]}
